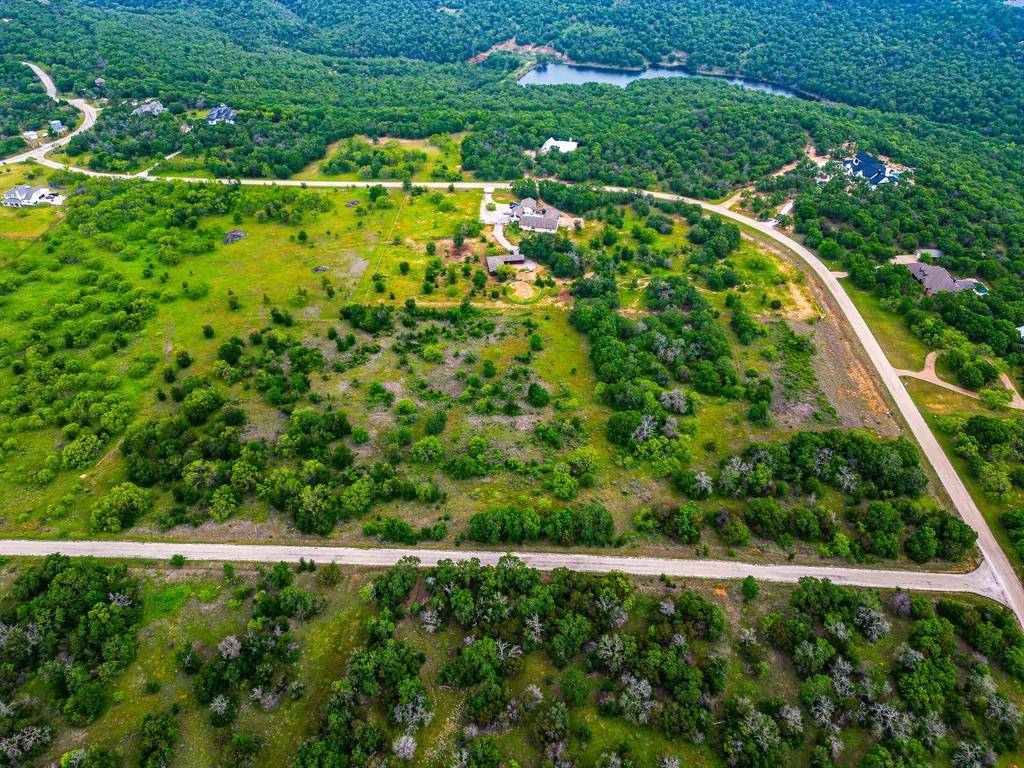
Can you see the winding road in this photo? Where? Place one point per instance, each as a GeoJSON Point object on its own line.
{"type": "Point", "coordinates": [995, 578]}
{"type": "Point", "coordinates": [89, 115]}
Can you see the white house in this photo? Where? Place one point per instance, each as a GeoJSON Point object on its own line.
{"type": "Point", "coordinates": [23, 195]}
{"type": "Point", "coordinates": [57, 127]}
{"type": "Point", "coordinates": [30, 135]}
{"type": "Point", "coordinates": [561, 146]}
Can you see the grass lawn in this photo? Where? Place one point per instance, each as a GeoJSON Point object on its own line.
{"type": "Point", "coordinates": [936, 402]}
{"type": "Point", "coordinates": [445, 153]}
{"type": "Point", "coordinates": [903, 349]}
{"type": "Point", "coordinates": [24, 223]}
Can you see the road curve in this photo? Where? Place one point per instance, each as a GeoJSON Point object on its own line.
{"type": "Point", "coordinates": [997, 563]}
{"type": "Point", "coordinates": [980, 581]}
{"type": "Point", "coordinates": [947, 474]}
{"type": "Point", "coordinates": [89, 115]}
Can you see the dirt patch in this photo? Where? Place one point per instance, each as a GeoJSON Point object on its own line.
{"type": "Point", "coordinates": [804, 308]}
{"type": "Point", "coordinates": [514, 47]}
{"type": "Point", "coordinates": [522, 290]}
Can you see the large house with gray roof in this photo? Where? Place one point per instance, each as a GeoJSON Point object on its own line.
{"type": "Point", "coordinates": [149, 109]}
{"type": "Point", "coordinates": [532, 217]}
{"type": "Point", "coordinates": [937, 279]}
{"type": "Point", "coordinates": [221, 114]}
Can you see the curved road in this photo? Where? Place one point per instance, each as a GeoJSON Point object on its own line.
{"type": "Point", "coordinates": [995, 578]}
{"type": "Point", "coordinates": [89, 115]}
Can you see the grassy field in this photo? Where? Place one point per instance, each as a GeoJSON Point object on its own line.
{"type": "Point", "coordinates": [903, 349]}
{"type": "Point", "coordinates": [444, 153]}
{"type": "Point", "coordinates": [19, 225]}
{"type": "Point", "coordinates": [356, 251]}
{"type": "Point", "coordinates": [936, 402]}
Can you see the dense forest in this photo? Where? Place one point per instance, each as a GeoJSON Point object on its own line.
{"type": "Point", "coordinates": [956, 62]}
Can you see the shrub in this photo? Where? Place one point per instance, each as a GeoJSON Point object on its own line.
{"type": "Point", "coordinates": [119, 509]}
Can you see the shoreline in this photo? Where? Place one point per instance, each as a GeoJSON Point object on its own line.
{"type": "Point", "coordinates": [684, 72]}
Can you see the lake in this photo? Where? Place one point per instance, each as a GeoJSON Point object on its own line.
{"type": "Point", "coordinates": [571, 74]}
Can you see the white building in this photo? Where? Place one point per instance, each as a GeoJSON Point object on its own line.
{"type": "Point", "coordinates": [23, 195]}
{"type": "Point", "coordinates": [30, 135]}
{"type": "Point", "coordinates": [561, 146]}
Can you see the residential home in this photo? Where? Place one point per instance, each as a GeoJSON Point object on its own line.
{"type": "Point", "coordinates": [57, 127]}
{"type": "Point", "coordinates": [23, 195]}
{"type": "Point", "coordinates": [561, 146]}
{"type": "Point", "coordinates": [533, 217]}
{"type": "Point", "coordinates": [937, 279]}
{"type": "Point", "coordinates": [30, 135]}
{"type": "Point", "coordinates": [149, 109]}
{"type": "Point", "coordinates": [221, 114]}
{"type": "Point", "coordinates": [873, 170]}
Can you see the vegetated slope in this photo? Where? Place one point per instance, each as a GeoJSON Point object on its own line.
{"type": "Point", "coordinates": [957, 62]}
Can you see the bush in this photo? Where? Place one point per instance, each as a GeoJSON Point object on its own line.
{"type": "Point", "coordinates": [119, 509]}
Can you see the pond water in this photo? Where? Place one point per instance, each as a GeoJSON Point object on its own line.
{"type": "Point", "coordinates": [571, 74]}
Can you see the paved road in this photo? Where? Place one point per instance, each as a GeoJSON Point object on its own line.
{"type": "Point", "coordinates": [980, 581]}
{"type": "Point", "coordinates": [955, 488]}
{"type": "Point", "coordinates": [997, 563]}
{"type": "Point", "coordinates": [89, 114]}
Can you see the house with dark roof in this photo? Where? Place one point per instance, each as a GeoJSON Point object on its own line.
{"type": "Point", "coordinates": [937, 279]}
{"type": "Point", "coordinates": [494, 262]}
{"type": "Point", "coordinates": [221, 114]}
{"type": "Point", "coordinates": [871, 169]}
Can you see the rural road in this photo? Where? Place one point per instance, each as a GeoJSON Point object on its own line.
{"type": "Point", "coordinates": [89, 115]}
{"type": "Point", "coordinates": [980, 581]}
{"type": "Point", "coordinates": [996, 574]}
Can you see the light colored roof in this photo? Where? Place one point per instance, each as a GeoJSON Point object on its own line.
{"type": "Point", "coordinates": [149, 108]}
{"type": "Point", "coordinates": [24, 192]}
{"type": "Point", "coordinates": [528, 202]}
{"type": "Point", "coordinates": [561, 146]}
